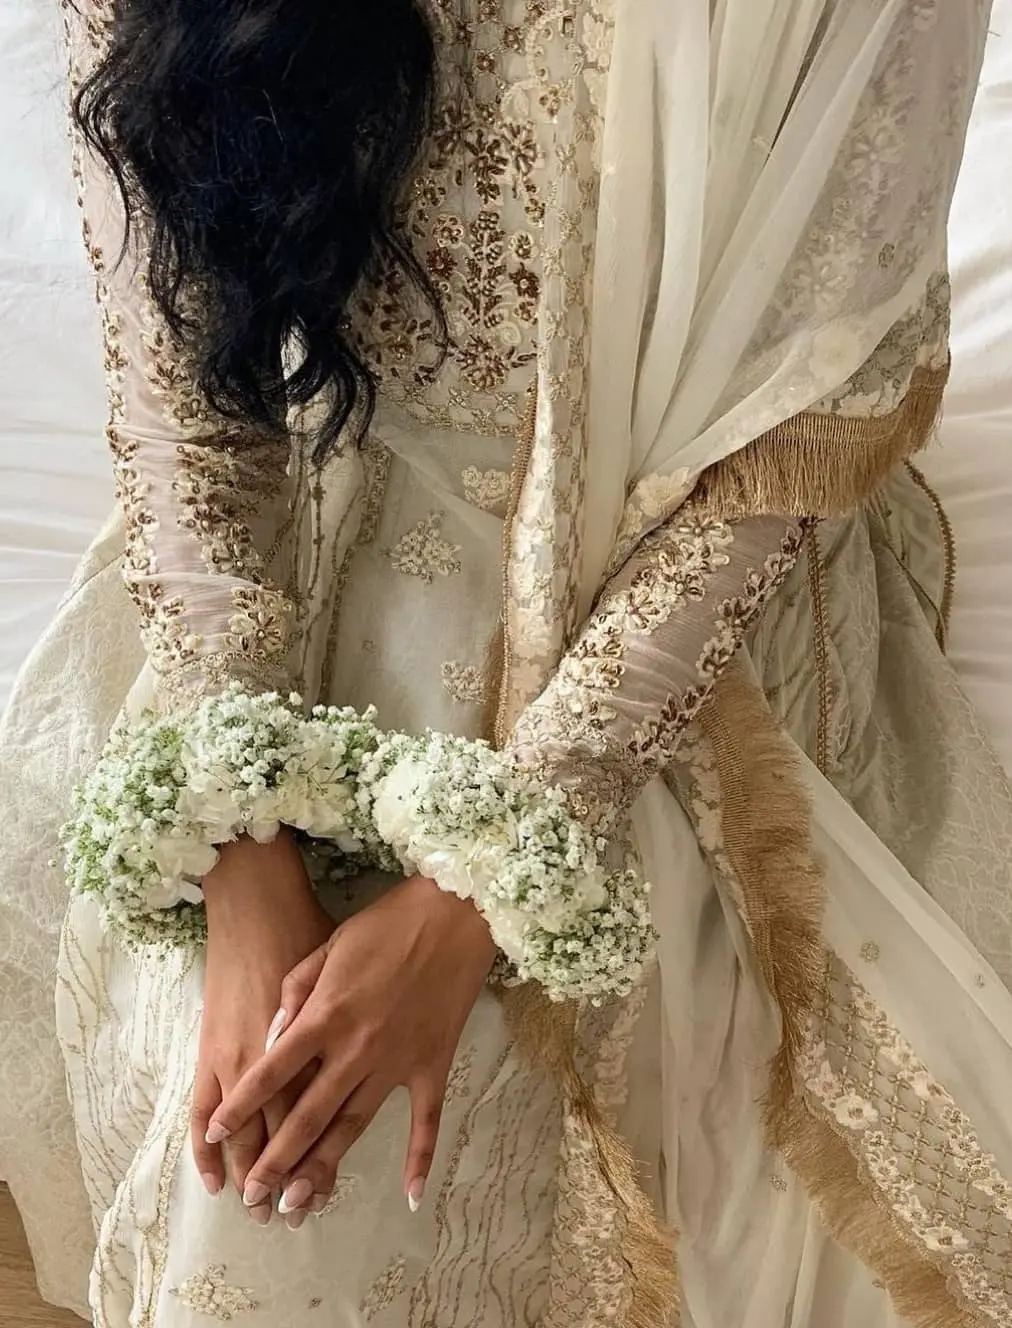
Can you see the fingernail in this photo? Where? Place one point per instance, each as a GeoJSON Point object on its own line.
{"type": "Point", "coordinates": [416, 1192]}
{"type": "Point", "coordinates": [319, 1203]}
{"type": "Point", "coordinates": [216, 1133]}
{"type": "Point", "coordinates": [254, 1193]}
{"type": "Point", "coordinates": [261, 1214]}
{"type": "Point", "coordinates": [298, 1193]}
{"type": "Point", "coordinates": [212, 1183]}
{"type": "Point", "coordinates": [295, 1220]}
{"type": "Point", "coordinates": [276, 1029]}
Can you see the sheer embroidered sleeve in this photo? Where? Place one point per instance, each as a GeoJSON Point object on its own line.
{"type": "Point", "coordinates": [662, 631]}
{"type": "Point", "coordinates": [205, 503]}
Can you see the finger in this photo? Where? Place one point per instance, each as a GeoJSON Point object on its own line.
{"type": "Point", "coordinates": [295, 991]}
{"type": "Point", "coordinates": [427, 1095]}
{"type": "Point", "coordinates": [304, 1125]}
{"type": "Point", "coordinates": [241, 1153]}
{"type": "Point", "coordinates": [206, 1097]}
{"type": "Point", "coordinates": [316, 1173]}
{"type": "Point", "coordinates": [264, 1080]}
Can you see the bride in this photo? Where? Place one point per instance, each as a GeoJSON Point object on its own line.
{"type": "Point", "coordinates": [550, 374]}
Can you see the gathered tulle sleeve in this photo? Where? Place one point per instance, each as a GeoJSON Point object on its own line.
{"type": "Point", "coordinates": [206, 502]}
{"type": "Point", "coordinates": [661, 633]}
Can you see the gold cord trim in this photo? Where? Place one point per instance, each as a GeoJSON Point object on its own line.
{"type": "Point", "coordinates": [823, 465]}
{"type": "Point", "coordinates": [766, 820]}
{"type": "Point", "coordinates": [820, 641]}
{"type": "Point", "coordinates": [949, 548]}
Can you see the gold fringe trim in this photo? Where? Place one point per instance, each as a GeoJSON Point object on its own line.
{"type": "Point", "coordinates": [822, 465]}
{"type": "Point", "coordinates": [832, 1175]}
{"type": "Point", "coordinates": [766, 820]}
{"type": "Point", "coordinates": [546, 1032]}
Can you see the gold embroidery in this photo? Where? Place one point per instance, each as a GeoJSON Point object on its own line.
{"type": "Point", "coordinates": [913, 1143]}
{"type": "Point", "coordinates": [344, 1188]}
{"type": "Point", "coordinates": [208, 1293]}
{"type": "Point", "coordinates": [487, 489]}
{"type": "Point", "coordinates": [870, 952]}
{"type": "Point", "coordinates": [387, 1287]}
{"type": "Point", "coordinates": [584, 734]}
{"type": "Point", "coordinates": [423, 553]}
{"type": "Point", "coordinates": [464, 682]}
{"type": "Point", "coordinates": [480, 244]}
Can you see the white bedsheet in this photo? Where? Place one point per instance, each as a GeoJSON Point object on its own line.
{"type": "Point", "coordinates": [55, 489]}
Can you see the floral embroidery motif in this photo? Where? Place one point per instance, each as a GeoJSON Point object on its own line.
{"type": "Point", "coordinates": [870, 952]}
{"type": "Point", "coordinates": [918, 1148]}
{"type": "Point", "coordinates": [478, 243]}
{"type": "Point", "coordinates": [423, 553]}
{"type": "Point", "coordinates": [611, 717]}
{"type": "Point", "coordinates": [209, 1293]}
{"type": "Point", "coordinates": [385, 1289]}
{"type": "Point", "coordinates": [464, 682]}
{"type": "Point", "coordinates": [459, 1081]}
{"type": "Point", "coordinates": [487, 489]}
{"type": "Point", "coordinates": [344, 1188]}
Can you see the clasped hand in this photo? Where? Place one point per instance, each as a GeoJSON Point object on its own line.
{"type": "Point", "coordinates": [381, 1003]}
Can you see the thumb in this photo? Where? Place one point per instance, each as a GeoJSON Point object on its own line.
{"type": "Point", "coordinates": [295, 991]}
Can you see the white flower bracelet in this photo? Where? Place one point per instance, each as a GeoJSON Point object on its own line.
{"type": "Point", "coordinates": [168, 791]}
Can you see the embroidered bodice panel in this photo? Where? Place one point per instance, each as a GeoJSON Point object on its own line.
{"type": "Point", "coordinates": [483, 215]}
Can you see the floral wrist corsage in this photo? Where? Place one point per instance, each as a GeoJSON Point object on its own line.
{"type": "Point", "coordinates": [459, 812]}
{"type": "Point", "coordinates": [168, 791]}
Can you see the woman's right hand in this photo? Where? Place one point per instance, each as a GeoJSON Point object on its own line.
{"type": "Point", "coordinates": [262, 919]}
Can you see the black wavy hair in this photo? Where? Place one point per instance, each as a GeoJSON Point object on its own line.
{"type": "Point", "coordinates": [266, 144]}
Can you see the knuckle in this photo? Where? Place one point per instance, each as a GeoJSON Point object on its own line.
{"type": "Point", "coordinates": [305, 1122]}
{"type": "Point", "coordinates": [352, 1124]}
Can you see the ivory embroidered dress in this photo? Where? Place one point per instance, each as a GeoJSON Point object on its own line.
{"type": "Point", "coordinates": [693, 261]}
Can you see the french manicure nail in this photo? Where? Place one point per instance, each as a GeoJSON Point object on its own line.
{"type": "Point", "coordinates": [319, 1203]}
{"type": "Point", "coordinates": [276, 1029]}
{"type": "Point", "coordinates": [295, 1220]}
{"type": "Point", "coordinates": [254, 1194]}
{"type": "Point", "coordinates": [212, 1184]}
{"type": "Point", "coordinates": [216, 1133]}
{"type": "Point", "coordinates": [261, 1214]}
{"type": "Point", "coordinates": [416, 1191]}
{"type": "Point", "coordinates": [298, 1193]}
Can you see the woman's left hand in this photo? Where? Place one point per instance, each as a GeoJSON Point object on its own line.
{"type": "Point", "coordinates": [382, 1004]}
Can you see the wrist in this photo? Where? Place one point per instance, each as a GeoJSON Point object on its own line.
{"type": "Point", "coordinates": [248, 873]}
{"type": "Point", "coordinates": [460, 914]}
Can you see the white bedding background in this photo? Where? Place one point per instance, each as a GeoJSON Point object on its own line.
{"type": "Point", "coordinates": [55, 489]}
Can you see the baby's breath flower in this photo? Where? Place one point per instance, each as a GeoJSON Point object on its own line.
{"type": "Point", "coordinates": [168, 790]}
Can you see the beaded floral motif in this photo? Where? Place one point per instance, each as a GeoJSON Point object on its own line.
{"type": "Point", "coordinates": [208, 1293]}
{"type": "Point", "coordinates": [464, 682]}
{"type": "Point", "coordinates": [422, 552]}
{"type": "Point", "coordinates": [487, 489]}
{"type": "Point", "coordinates": [386, 1288]}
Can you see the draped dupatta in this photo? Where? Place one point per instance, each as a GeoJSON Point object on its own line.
{"type": "Point", "coordinates": [747, 298]}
